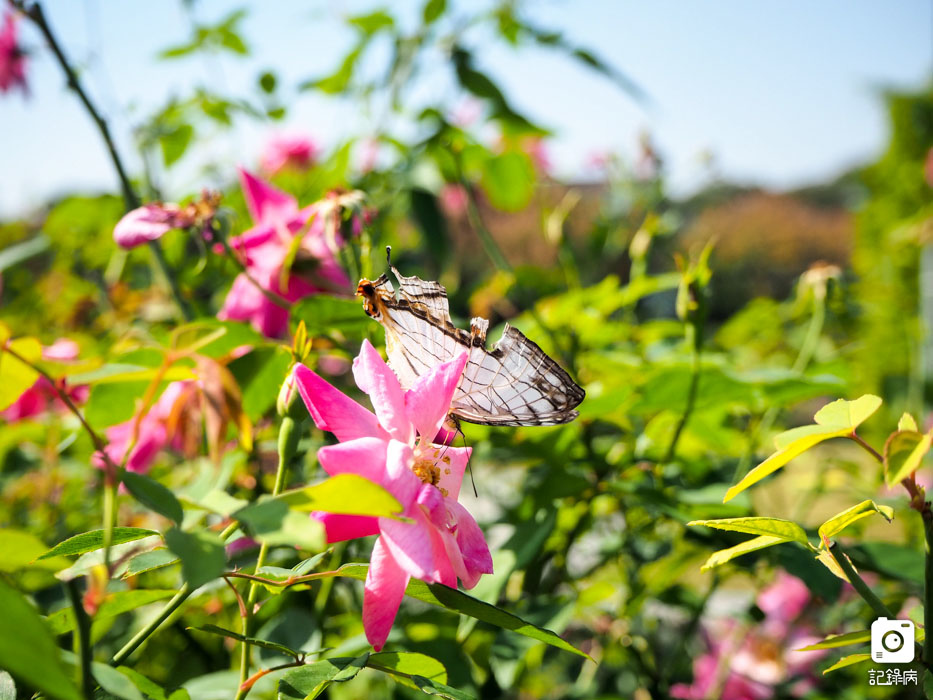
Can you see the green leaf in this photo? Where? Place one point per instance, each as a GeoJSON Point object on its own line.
{"type": "Point", "coordinates": [22, 550]}
{"type": "Point", "coordinates": [150, 689]}
{"type": "Point", "coordinates": [509, 180]}
{"type": "Point", "coordinates": [153, 495]}
{"type": "Point", "coordinates": [452, 599]}
{"type": "Point", "coordinates": [433, 9]}
{"type": "Point", "coordinates": [117, 603]}
{"type": "Point", "coordinates": [837, 419]}
{"type": "Point", "coordinates": [273, 646]}
{"type": "Point", "coordinates": [308, 682]}
{"type": "Point", "coordinates": [907, 423]}
{"type": "Point", "coordinates": [347, 494]}
{"type": "Point", "coordinates": [267, 82]}
{"type": "Point", "coordinates": [220, 502]}
{"type": "Point", "coordinates": [429, 687]}
{"type": "Point", "coordinates": [202, 555]}
{"type": "Point", "coordinates": [15, 376]}
{"type": "Point", "coordinates": [723, 555]}
{"type": "Point", "coordinates": [7, 686]}
{"type": "Point", "coordinates": [109, 404]}
{"type": "Point", "coordinates": [838, 523]}
{"type": "Point", "coordinates": [23, 251]}
{"type": "Point", "coordinates": [116, 372]}
{"type": "Point", "coordinates": [115, 682]}
{"type": "Point", "coordinates": [149, 561]}
{"type": "Point", "coordinates": [324, 314]}
{"type": "Point", "coordinates": [339, 80]}
{"type": "Point", "coordinates": [260, 373]}
{"type": "Point", "coordinates": [769, 527]}
{"type": "Point", "coordinates": [89, 541]}
{"type": "Point", "coordinates": [28, 650]}
{"type": "Point", "coordinates": [272, 522]}
{"type": "Point", "coordinates": [840, 640]}
{"type": "Point", "coordinates": [372, 22]}
{"type": "Point", "coordinates": [175, 142]}
{"type": "Point", "coordinates": [408, 664]}
{"type": "Point", "coordinates": [848, 661]}
{"type": "Point", "coordinates": [903, 453]}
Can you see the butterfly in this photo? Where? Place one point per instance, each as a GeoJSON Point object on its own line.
{"type": "Point", "coordinates": [515, 383]}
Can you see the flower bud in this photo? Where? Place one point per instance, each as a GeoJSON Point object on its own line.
{"type": "Point", "coordinates": [289, 403]}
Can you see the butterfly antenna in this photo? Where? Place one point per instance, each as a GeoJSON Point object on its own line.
{"type": "Point", "coordinates": [469, 463]}
{"type": "Point", "coordinates": [389, 255]}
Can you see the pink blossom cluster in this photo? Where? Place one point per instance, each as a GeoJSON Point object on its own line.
{"type": "Point", "coordinates": [398, 447]}
{"type": "Point", "coordinates": [12, 56]}
{"type": "Point", "coordinates": [748, 663]}
{"type": "Point", "coordinates": [288, 151]}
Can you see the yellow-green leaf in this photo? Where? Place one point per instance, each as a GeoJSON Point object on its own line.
{"type": "Point", "coordinates": [907, 422]}
{"type": "Point", "coordinates": [15, 376]}
{"type": "Point", "coordinates": [723, 555]}
{"type": "Point", "coordinates": [848, 661]}
{"type": "Point", "coordinates": [835, 641]}
{"type": "Point", "coordinates": [825, 557]}
{"type": "Point", "coordinates": [841, 521]}
{"type": "Point", "coordinates": [836, 419]}
{"type": "Point", "coordinates": [347, 494]}
{"type": "Point", "coordinates": [770, 527]}
{"type": "Point", "coordinates": [903, 453]}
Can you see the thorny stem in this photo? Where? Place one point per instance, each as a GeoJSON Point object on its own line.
{"type": "Point", "coordinates": [130, 198]}
{"type": "Point", "coordinates": [289, 435]}
{"type": "Point", "coordinates": [83, 623]}
{"type": "Point", "coordinates": [151, 627]}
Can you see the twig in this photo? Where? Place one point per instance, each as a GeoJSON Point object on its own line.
{"type": "Point", "coordinates": [151, 627]}
{"type": "Point", "coordinates": [83, 624]}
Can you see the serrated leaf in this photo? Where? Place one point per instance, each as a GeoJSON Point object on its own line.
{"type": "Point", "coordinates": [723, 555]}
{"type": "Point", "coordinates": [274, 646]}
{"type": "Point", "coordinates": [202, 555]}
{"type": "Point", "coordinates": [309, 681]}
{"type": "Point", "coordinates": [836, 419]}
{"type": "Point", "coordinates": [346, 494]}
{"type": "Point", "coordinates": [903, 453]}
{"type": "Point", "coordinates": [89, 541]}
{"type": "Point", "coordinates": [149, 561]}
{"type": "Point", "coordinates": [153, 495]}
{"type": "Point", "coordinates": [848, 661]}
{"type": "Point", "coordinates": [116, 604]}
{"type": "Point", "coordinates": [28, 650]}
{"type": "Point", "coordinates": [769, 527]}
{"type": "Point", "coordinates": [838, 523]}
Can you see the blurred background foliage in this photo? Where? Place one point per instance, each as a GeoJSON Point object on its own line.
{"type": "Point", "coordinates": [814, 294]}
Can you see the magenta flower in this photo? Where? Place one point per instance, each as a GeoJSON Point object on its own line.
{"type": "Point", "coordinates": [265, 247]}
{"type": "Point", "coordinates": [12, 56]}
{"type": "Point", "coordinates": [396, 448]}
{"type": "Point", "coordinates": [747, 663]}
{"type": "Point", "coordinates": [42, 395]}
{"type": "Point", "coordinates": [146, 223]}
{"type": "Point", "coordinates": [288, 151]}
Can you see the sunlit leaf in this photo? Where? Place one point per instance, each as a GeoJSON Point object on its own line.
{"type": "Point", "coordinates": [311, 680]}
{"type": "Point", "coordinates": [839, 522]}
{"type": "Point", "coordinates": [348, 494]}
{"type": "Point", "coordinates": [837, 419]}
{"type": "Point", "coordinates": [89, 541]}
{"type": "Point", "coordinates": [15, 376]}
{"type": "Point", "coordinates": [723, 555]}
{"type": "Point", "coordinates": [848, 661]}
{"type": "Point", "coordinates": [903, 453]}
{"type": "Point", "coordinates": [769, 527]}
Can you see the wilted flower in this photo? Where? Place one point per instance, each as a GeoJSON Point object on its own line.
{"type": "Point", "coordinates": [397, 448]}
{"type": "Point", "coordinates": [267, 249]}
{"type": "Point", "coordinates": [292, 151]}
{"type": "Point", "coordinates": [746, 663]}
{"type": "Point", "coordinates": [12, 56]}
{"type": "Point", "coordinates": [152, 221]}
{"type": "Point", "coordinates": [42, 395]}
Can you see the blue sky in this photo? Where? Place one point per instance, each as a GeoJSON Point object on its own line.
{"type": "Point", "coordinates": [782, 93]}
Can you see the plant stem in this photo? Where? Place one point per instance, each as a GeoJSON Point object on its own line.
{"type": "Point", "coordinates": [289, 435]}
{"type": "Point", "coordinates": [868, 595]}
{"type": "Point", "coordinates": [154, 624]}
{"type": "Point", "coordinates": [691, 394]}
{"type": "Point", "coordinates": [110, 492]}
{"type": "Point", "coordinates": [130, 198]}
{"type": "Point", "coordinates": [83, 624]}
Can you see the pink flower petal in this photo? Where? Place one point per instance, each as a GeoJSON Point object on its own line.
{"type": "Point", "coordinates": [400, 480]}
{"type": "Point", "coordinates": [383, 593]}
{"type": "Point", "coordinates": [347, 527]}
{"type": "Point", "coordinates": [374, 377]}
{"type": "Point", "coordinates": [61, 350]}
{"type": "Point", "coordinates": [471, 543]}
{"type": "Point", "coordinates": [427, 403]}
{"type": "Point", "coordinates": [410, 544]}
{"type": "Point", "coordinates": [333, 411]}
{"type": "Point", "coordinates": [147, 223]}
{"type": "Point", "coordinates": [365, 456]}
{"type": "Point", "coordinates": [266, 204]}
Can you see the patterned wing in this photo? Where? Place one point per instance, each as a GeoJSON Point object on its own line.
{"type": "Point", "coordinates": [515, 384]}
